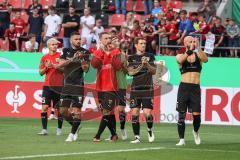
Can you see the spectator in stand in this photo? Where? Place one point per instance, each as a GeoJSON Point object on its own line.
{"type": "Point", "coordinates": [32, 44]}
{"type": "Point", "coordinates": [135, 32]}
{"type": "Point", "coordinates": [214, 18]}
{"type": "Point", "coordinates": [220, 33]}
{"type": "Point", "coordinates": [195, 21]}
{"type": "Point", "coordinates": [171, 32]}
{"type": "Point", "coordinates": [157, 9]}
{"type": "Point", "coordinates": [87, 23]}
{"type": "Point", "coordinates": [129, 20]}
{"type": "Point", "coordinates": [113, 32]}
{"type": "Point", "coordinates": [207, 8]}
{"type": "Point", "coordinates": [148, 6]}
{"type": "Point", "coordinates": [226, 22]}
{"type": "Point", "coordinates": [148, 31]}
{"type": "Point", "coordinates": [120, 6]}
{"type": "Point", "coordinates": [204, 28]}
{"type": "Point", "coordinates": [97, 30]}
{"type": "Point", "coordinates": [84, 43]}
{"type": "Point", "coordinates": [161, 38]}
{"type": "Point", "coordinates": [20, 26]}
{"type": "Point", "coordinates": [70, 24]}
{"type": "Point", "coordinates": [123, 36]}
{"type": "Point", "coordinates": [5, 12]}
{"type": "Point", "coordinates": [169, 13]}
{"type": "Point", "coordinates": [35, 4]}
{"type": "Point", "coordinates": [233, 37]}
{"type": "Point", "coordinates": [11, 39]}
{"type": "Point", "coordinates": [35, 25]}
{"type": "Point", "coordinates": [52, 24]}
{"type": "Point", "coordinates": [185, 27]}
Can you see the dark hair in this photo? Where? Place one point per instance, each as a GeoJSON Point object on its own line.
{"type": "Point", "coordinates": [137, 39]}
{"type": "Point", "coordinates": [103, 33]}
{"type": "Point", "coordinates": [51, 8]}
{"type": "Point", "coordinates": [75, 33]}
{"type": "Point", "coordinates": [194, 14]}
{"type": "Point", "coordinates": [136, 21]}
{"type": "Point", "coordinates": [31, 35]}
{"type": "Point", "coordinates": [72, 6]}
{"type": "Point", "coordinates": [35, 8]}
{"type": "Point", "coordinates": [183, 12]}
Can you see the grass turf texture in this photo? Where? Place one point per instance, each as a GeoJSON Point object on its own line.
{"type": "Point", "coordinates": [18, 137]}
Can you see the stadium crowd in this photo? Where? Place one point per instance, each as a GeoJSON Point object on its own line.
{"type": "Point", "coordinates": [163, 25]}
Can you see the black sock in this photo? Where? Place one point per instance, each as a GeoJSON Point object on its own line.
{"type": "Point", "coordinates": [102, 126]}
{"type": "Point", "coordinates": [135, 125]}
{"type": "Point", "coordinates": [75, 125]}
{"type": "Point", "coordinates": [122, 119]}
{"type": "Point", "coordinates": [181, 125]}
{"type": "Point", "coordinates": [60, 121]}
{"type": "Point", "coordinates": [70, 122]}
{"type": "Point", "coordinates": [44, 120]}
{"type": "Point", "coordinates": [196, 122]}
{"type": "Point", "coordinates": [112, 124]}
{"type": "Point", "coordinates": [149, 121]}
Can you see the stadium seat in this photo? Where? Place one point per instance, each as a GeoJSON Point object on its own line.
{"type": "Point", "coordinates": [62, 5]}
{"type": "Point", "coordinates": [79, 4]}
{"type": "Point", "coordinates": [139, 6]}
{"type": "Point", "coordinates": [95, 5]}
{"type": "Point", "coordinates": [17, 4]}
{"type": "Point", "coordinates": [46, 3]}
{"type": "Point", "coordinates": [104, 17]}
{"type": "Point", "coordinates": [109, 5]}
{"type": "Point", "coordinates": [117, 20]}
{"type": "Point", "coordinates": [27, 3]}
{"type": "Point", "coordinates": [137, 17]}
{"type": "Point", "coordinates": [177, 4]}
{"type": "Point", "coordinates": [129, 5]}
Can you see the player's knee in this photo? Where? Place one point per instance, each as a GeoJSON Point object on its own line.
{"type": "Point", "coordinates": [63, 111]}
{"type": "Point", "coordinates": [135, 118]}
{"type": "Point", "coordinates": [76, 114]}
{"type": "Point", "coordinates": [44, 108]}
{"type": "Point", "coordinates": [181, 118]}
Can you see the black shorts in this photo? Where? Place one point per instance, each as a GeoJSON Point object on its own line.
{"type": "Point", "coordinates": [107, 100]}
{"type": "Point", "coordinates": [121, 97]}
{"type": "Point", "coordinates": [189, 98]}
{"type": "Point", "coordinates": [51, 94]}
{"type": "Point", "coordinates": [141, 98]}
{"type": "Point", "coordinates": [72, 96]}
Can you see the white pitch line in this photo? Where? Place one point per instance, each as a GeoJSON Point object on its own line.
{"type": "Point", "coordinates": [115, 151]}
{"type": "Point", "coordinates": [81, 153]}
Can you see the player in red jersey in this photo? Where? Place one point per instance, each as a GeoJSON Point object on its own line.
{"type": "Point", "coordinates": [107, 62]}
{"type": "Point", "coordinates": [52, 85]}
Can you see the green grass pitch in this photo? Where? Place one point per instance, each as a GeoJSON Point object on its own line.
{"type": "Point", "coordinates": [19, 140]}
